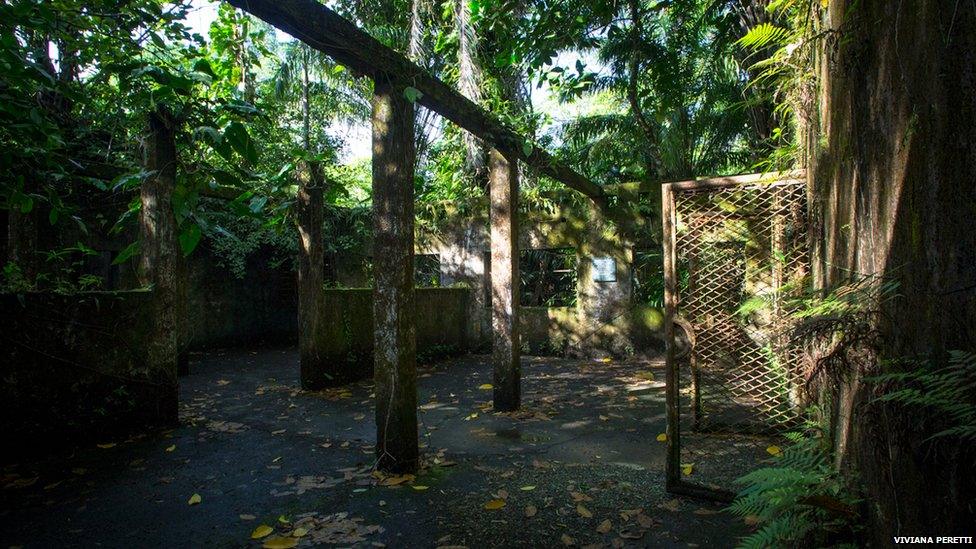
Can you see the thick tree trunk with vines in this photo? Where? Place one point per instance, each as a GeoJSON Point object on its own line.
{"type": "Point", "coordinates": [395, 370]}
{"type": "Point", "coordinates": [893, 184]}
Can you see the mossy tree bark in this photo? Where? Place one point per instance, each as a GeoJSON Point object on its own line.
{"type": "Point", "coordinates": [159, 264]}
{"type": "Point", "coordinates": [395, 370]}
{"type": "Point", "coordinates": [503, 176]}
{"type": "Point", "coordinates": [311, 297]}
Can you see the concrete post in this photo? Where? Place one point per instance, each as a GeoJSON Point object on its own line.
{"type": "Point", "coordinates": [395, 369]}
{"type": "Point", "coordinates": [503, 177]}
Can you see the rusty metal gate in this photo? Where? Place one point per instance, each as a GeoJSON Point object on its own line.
{"type": "Point", "coordinates": [735, 252]}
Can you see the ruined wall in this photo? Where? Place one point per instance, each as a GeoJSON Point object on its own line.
{"type": "Point", "coordinates": [606, 321]}
{"type": "Point", "coordinates": [441, 327]}
{"type": "Point", "coordinates": [893, 182]}
{"type": "Point", "coordinates": [74, 366]}
{"type": "Point", "coordinates": [225, 311]}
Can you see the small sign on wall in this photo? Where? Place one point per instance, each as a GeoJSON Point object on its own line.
{"type": "Point", "coordinates": [604, 269]}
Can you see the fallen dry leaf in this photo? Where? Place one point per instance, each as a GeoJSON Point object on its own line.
{"type": "Point", "coordinates": [261, 531]}
{"type": "Point", "coordinates": [605, 527]}
{"type": "Point", "coordinates": [419, 487]}
{"type": "Point", "coordinates": [530, 511]}
{"type": "Point", "coordinates": [280, 542]}
{"type": "Point", "coordinates": [495, 504]}
{"type": "Point", "coordinates": [578, 496]}
{"type": "Point", "coordinates": [106, 446]}
{"type": "Point", "coordinates": [567, 541]}
{"type": "Point", "coordinates": [486, 386]}
{"type": "Point", "coordinates": [583, 511]}
{"type": "Point", "coordinates": [194, 499]}
{"type": "Point", "coordinates": [247, 517]}
{"type": "Point", "coordinates": [527, 488]}
{"type": "Point", "coordinates": [774, 451]}
{"type": "Point", "coordinates": [663, 437]}
{"type": "Point", "coordinates": [687, 468]}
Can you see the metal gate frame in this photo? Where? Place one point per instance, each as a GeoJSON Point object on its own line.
{"type": "Point", "coordinates": [674, 482]}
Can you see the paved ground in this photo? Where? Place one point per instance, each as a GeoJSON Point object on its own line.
{"type": "Point", "coordinates": [579, 465]}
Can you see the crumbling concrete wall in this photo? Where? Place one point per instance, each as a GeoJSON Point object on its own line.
{"type": "Point", "coordinates": [605, 321]}
{"type": "Point", "coordinates": [226, 311]}
{"type": "Point", "coordinates": [74, 366]}
{"type": "Point", "coordinates": [441, 320]}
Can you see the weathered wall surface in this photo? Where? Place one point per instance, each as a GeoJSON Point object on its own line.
{"type": "Point", "coordinates": [224, 311]}
{"type": "Point", "coordinates": [605, 321]}
{"type": "Point", "coordinates": [75, 366]}
{"type": "Point", "coordinates": [441, 327]}
{"type": "Point", "coordinates": [894, 183]}
{"type": "Point", "coordinates": [559, 331]}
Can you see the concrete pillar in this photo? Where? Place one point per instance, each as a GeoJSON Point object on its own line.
{"type": "Point", "coordinates": [159, 263]}
{"type": "Point", "coordinates": [395, 369]}
{"type": "Point", "coordinates": [503, 176]}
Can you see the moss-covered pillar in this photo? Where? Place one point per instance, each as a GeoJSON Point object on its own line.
{"type": "Point", "coordinates": [503, 176]}
{"type": "Point", "coordinates": [313, 359]}
{"type": "Point", "coordinates": [395, 370]}
{"type": "Point", "coordinates": [159, 262]}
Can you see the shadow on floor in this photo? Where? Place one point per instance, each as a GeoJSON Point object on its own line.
{"type": "Point", "coordinates": [581, 458]}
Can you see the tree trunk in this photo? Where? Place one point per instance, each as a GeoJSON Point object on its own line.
{"type": "Point", "coordinates": [311, 298]}
{"type": "Point", "coordinates": [504, 282]}
{"type": "Point", "coordinates": [470, 79]}
{"type": "Point", "coordinates": [395, 371]}
{"type": "Point", "coordinates": [22, 236]}
{"type": "Point", "coordinates": [159, 265]}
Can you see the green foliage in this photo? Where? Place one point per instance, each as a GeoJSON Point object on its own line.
{"type": "Point", "coordinates": [946, 388]}
{"type": "Point", "coordinates": [782, 59]}
{"type": "Point", "coordinates": [797, 500]}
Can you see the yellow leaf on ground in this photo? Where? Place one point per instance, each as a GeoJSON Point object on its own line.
{"type": "Point", "coordinates": [567, 541]}
{"type": "Point", "coordinates": [774, 451]}
{"type": "Point", "coordinates": [396, 480]}
{"type": "Point", "coordinates": [472, 416]}
{"type": "Point", "coordinates": [605, 527]}
{"type": "Point", "coordinates": [283, 519]}
{"type": "Point", "coordinates": [583, 511]}
{"type": "Point", "coordinates": [495, 504]}
{"type": "Point", "coordinates": [299, 532]}
{"type": "Point", "coordinates": [486, 386]}
{"type": "Point", "coordinates": [530, 511]}
{"type": "Point", "coordinates": [261, 531]}
{"type": "Point", "coordinates": [527, 488]}
{"type": "Point", "coordinates": [280, 543]}
{"type": "Point", "coordinates": [106, 446]}
{"type": "Point", "coordinates": [419, 487]}
{"type": "Point", "coordinates": [247, 517]}
{"type": "Point", "coordinates": [171, 448]}
{"type": "Point", "coordinates": [194, 499]}
{"type": "Point", "coordinates": [687, 468]}
{"type": "Point", "coordinates": [663, 437]}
